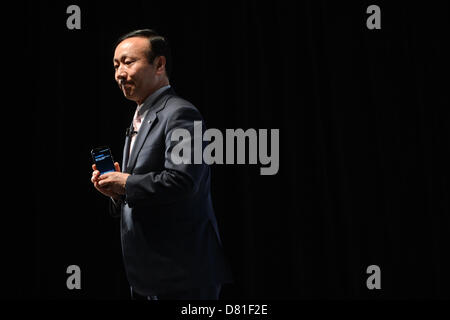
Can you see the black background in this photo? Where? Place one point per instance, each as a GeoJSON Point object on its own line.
{"type": "Point", "coordinates": [364, 143]}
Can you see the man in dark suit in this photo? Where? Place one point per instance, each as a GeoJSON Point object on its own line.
{"type": "Point", "coordinates": [170, 240]}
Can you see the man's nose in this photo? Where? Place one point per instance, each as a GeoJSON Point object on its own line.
{"type": "Point", "coordinates": [121, 74]}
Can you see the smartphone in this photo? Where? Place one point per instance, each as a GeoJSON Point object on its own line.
{"type": "Point", "coordinates": [103, 159]}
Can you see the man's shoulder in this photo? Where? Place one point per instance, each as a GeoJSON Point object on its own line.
{"type": "Point", "coordinates": [176, 104]}
{"type": "Point", "coordinates": [174, 100]}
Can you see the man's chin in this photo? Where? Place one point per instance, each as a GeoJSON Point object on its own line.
{"type": "Point", "coordinates": [131, 98]}
{"type": "Point", "coordinates": [128, 94]}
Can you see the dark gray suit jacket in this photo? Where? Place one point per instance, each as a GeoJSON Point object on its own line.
{"type": "Point", "coordinates": [170, 238]}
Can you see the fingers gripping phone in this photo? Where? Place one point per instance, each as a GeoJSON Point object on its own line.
{"type": "Point", "coordinates": [103, 159]}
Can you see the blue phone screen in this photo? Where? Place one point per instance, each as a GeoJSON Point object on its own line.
{"type": "Point", "coordinates": [104, 161]}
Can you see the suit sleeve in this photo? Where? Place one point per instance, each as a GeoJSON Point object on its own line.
{"type": "Point", "coordinates": [178, 180]}
{"type": "Point", "coordinates": [115, 207]}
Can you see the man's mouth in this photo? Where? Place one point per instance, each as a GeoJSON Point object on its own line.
{"type": "Point", "coordinates": [122, 84]}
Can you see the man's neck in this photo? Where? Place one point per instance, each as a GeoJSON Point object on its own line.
{"type": "Point", "coordinates": [163, 84]}
{"type": "Point", "coordinates": [149, 100]}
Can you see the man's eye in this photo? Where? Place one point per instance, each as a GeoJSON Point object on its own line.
{"type": "Point", "coordinates": [128, 62]}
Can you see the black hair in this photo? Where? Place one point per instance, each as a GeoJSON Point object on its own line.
{"type": "Point", "coordinates": [159, 46]}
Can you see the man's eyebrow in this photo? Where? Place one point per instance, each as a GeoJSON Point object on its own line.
{"type": "Point", "coordinates": [123, 57]}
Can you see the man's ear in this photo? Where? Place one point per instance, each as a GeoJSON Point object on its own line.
{"type": "Point", "coordinates": [160, 64]}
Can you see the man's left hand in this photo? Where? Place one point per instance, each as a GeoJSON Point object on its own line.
{"type": "Point", "coordinates": [114, 181]}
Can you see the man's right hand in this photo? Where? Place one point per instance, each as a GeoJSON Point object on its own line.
{"type": "Point", "coordinates": [103, 190]}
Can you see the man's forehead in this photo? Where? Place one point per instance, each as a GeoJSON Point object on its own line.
{"type": "Point", "coordinates": [131, 46]}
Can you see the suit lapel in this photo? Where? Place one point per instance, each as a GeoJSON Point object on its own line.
{"type": "Point", "coordinates": [145, 128]}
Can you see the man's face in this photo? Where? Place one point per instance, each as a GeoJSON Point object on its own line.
{"type": "Point", "coordinates": [135, 76]}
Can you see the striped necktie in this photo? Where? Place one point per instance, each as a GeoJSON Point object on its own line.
{"type": "Point", "coordinates": [137, 120]}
